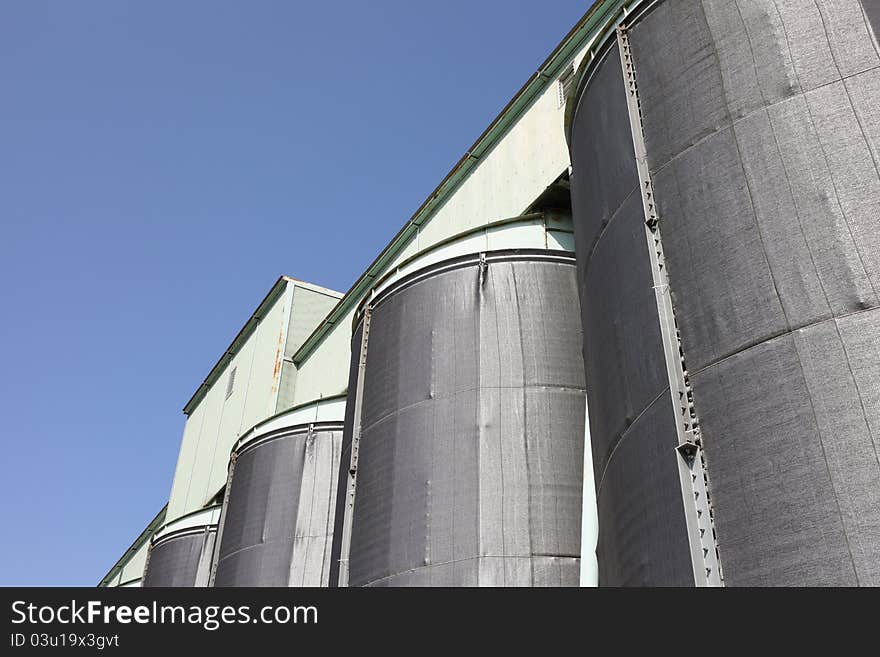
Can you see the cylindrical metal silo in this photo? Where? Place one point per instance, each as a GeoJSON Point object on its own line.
{"type": "Point", "coordinates": [726, 197]}
{"type": "Point", "coordinates": [181, 552]}
{"type": "Point", "coordinates": [277, 524]}
{"type": "Point", "coordinates": [462, 462]}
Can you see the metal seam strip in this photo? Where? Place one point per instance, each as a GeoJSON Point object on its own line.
{"type": "Point", "coordinates": [310, 438]}
{"type": "Point", "coordinates": [206, 559]}
{"type": "Point", "coordinates": [525, 422]}
{"type": "Point", "coordinates": [689, 453]}
{"type": "Point", "coordinates": [618, 440]}
{"type": "Point", "coordinates": [478, 411]}
{"type": "Point", "coordinates": [824, 452]}
{"type": "Point", "coordinates": [147, 560]}
{"type": "Point", "coordinates": [355, 441]}
{"type": "Point", "coordinates": [329, 520]}
{"type": "Point", "coordinates": [484, 557]}
{"type": "Point", "coordinates": [221, 522]}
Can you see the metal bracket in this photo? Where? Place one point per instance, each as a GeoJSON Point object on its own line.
{"type": "Point", "coordinates": [691, 460]}
{"type": "Point", "coordinates": [221, 522]}
{"type": "Point", "coordinates": [351, 489]}
{"type": "Point", "coordinates": [146, 562]}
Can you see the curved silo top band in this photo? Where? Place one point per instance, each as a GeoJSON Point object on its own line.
{"type": "Point", "coordinates": [207, 517]}
{"type": "Point", "coordinates": [311, 427]}
{"type": "Point", "coordinates": [324, 411]}
{"type": "Point", "coordinates": [459, 262]}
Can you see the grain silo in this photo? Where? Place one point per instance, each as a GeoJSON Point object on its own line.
{"type": "Point", "coordinates": [277, 521]}
{"type": "Point", "coordinates": [726, 196]}
{"type": "Point", "coordinates": [181, 552]}
{"type": "Point", "coordinates": [463, 452]}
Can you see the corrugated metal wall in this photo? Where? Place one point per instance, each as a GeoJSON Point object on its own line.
{"type": "Point", "coordinates": [470, 450]}
{"type": "Point", "coordinates": [277, 522]}
{"type": "Point", "coordinates": [761, 127]}
{"type": "Point", "coordinates": [345, 479]}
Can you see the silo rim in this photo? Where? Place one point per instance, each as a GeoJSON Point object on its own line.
{"type": "Point", "coordinates": [181, 533]}
{"type": "Point", "coordinates": [284, 432]}
{"type": "Point", "coordinates": [460, 262]}
{"type": "Point", "coordinates": [245, 437]}
{"type": "Point", "coordinates": [205, 509]}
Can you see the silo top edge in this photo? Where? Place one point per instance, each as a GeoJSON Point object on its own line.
{"type": "Point", "coordinates": [458, 262]}
{"type": "Point", "coordinates": [194, 520]}
{"type": "Point", "coordinates": [283, 432]}
{"type": "Point", "coordinates": [183, 532]}
{"type": "Point", "coordinates": [334, 405]}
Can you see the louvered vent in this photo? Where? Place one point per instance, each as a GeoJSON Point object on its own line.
{"type": "Point", "coordinates": [230, 382]}
{"type": "Point", "coordinates": [564, 84]}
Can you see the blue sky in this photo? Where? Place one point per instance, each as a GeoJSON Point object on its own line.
{"type": "Point", "coordinates": [161, 164]}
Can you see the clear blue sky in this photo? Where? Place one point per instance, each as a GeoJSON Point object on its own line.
{"type": "Point", "coordinates": [161, 164]}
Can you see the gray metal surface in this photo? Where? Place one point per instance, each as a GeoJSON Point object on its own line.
{"type": "Point", "coordinates": [642, 534]}
{"type": "Point", "coordinates": [603, 166]}
{"type": "Point", "coordinates": [691, 461]}
{"type": "Point", "coordinates": [872, 12]}
{"type": "Point", "coordinates": [278, 518]}
{"type": "Point", "coordinates": [181, 559]}
{"type": "Point", "coordinates": [470, 463]}
{"type": "Point", "coordinates": [793, 455]}
{"type": "Point", "coordinates": [622, 350]}
{"type": "Point", "coordinates": [624, 358]}
{"type": "Point", "coordinates": [762, 130]}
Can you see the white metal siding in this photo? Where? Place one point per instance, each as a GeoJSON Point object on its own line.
{"type": "Point", "coordinates": [134, 569]}
{"type": "Point", "coordinates": [309, 309]}
{"type": "Point", "coordinates": [186, 459]}
{"type": "Point", "coordinates": [325, 372]}
{"type": "Point", "coordinates": [215, 424]}
{"type": "Point", "coordinates": [263, 387]}
{"type": "Point", "coordinates": [207, 444]}
{"type": "Point", "coordinates": [521, 166]}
